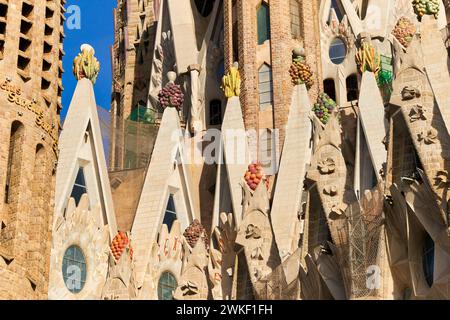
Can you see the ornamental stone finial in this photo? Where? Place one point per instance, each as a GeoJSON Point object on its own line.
{"type": "Point", "coordinates": [85, 65]}
{"type": "Point", "coordinates": [231, 82]}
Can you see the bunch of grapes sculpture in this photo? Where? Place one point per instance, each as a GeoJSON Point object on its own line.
{"type": "Point", "coordinates": [324, 108]}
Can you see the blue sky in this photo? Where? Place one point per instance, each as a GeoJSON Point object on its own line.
{"type": "Point", "coordinates": [97, 29]}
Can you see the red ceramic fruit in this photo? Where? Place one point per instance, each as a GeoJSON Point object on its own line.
{"type": "Point", "coordinates": [254, 176]}
{"type": "Point", "coordinates": [119, 244]}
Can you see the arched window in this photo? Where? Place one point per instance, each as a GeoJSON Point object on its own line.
{"type": "Point", "coordinates": [294, 7]}
{"type": "Point", "coordinates": [14, 161]}
{"type": "Point", "coordinates": [352, 87]}
{"type": "Point", "coordinates": [167, 285]}
{"type": "Point", "coordinates": [265, 87]}
{"type": "Point", "coordinates": [263, 18]}
{"type": "Point", "coordinates": [329, 88]}
{"type": "Point", "coordinates": [215, 112]}
{"type": "Point", "coordinates": [428, 260]}
{"type": "Point", "coordinates": [204, 7]}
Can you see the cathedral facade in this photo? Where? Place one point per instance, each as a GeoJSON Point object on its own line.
{"type": "Point", "coordinates": [257, 149]}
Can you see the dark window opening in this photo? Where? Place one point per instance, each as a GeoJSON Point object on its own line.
{"type": "Point", "coordinates": [79, 188]}
{"type": "Point", "coordinates": [204, 7]}
{"type": "Point", "coordinates": [27, 10]}
{"type": "Point", "coordinates": [48, 30]}
{"type": "Point", "coordinates": [23, 63]}
{"type": "Point", "coordinates": [428, 260]}
{"type": "Point", "coordinates": [25, 27]}
{"type": "Point", "coordinates": [352, 87]}
{"type": "Point", "coordinates": [45, 84]}
{"type": "Point", "coordinates": [215, 112]}
{"type": "Point", "coordinates": [329, 88]}
{"type": "Point", "coordinates": [171, 213]}
{"type": "Point", "coordinates": [24, 44]}
{"type": "Point", "coordinates": [3, 10]}
{"type": "Point", "coordinates": [47, 47]}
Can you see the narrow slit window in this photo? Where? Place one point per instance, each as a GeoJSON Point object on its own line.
{"type": "Point", "coordinates": [79, 188]}
{"type": "Point", "coordinates": [171, 214]}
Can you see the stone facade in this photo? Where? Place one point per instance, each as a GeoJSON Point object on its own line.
{"type": "Point", "coordinates": [30, 71]}
{"type": "Point", "coordinates": [353, 206]}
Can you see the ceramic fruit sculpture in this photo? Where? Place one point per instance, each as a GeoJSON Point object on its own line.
{"type": "Point", "coordinates": [368, 59]}
{"type": "Point", "coordinates": [255, 175]}
{"type": "Point", "coordinates": [426, 7]}
{"type": "Point", "coordinates": [231, 82]}
{"type": "Point", "coordinates": [301, 72]}
{"type": "Point", "coordinates": [404, 31]}
{"type": "Point", "coordinates": [85, 65]}
{"type": "Point", "coordinates": [324, 108]}
{"type": "Point", "coordinates": [171, 96]}
{"type": "Point", "coordinates": [119, 244]}
{"type": "Point", "coordinates": [194, 232]}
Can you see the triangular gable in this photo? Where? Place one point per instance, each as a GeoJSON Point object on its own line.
{"type": "Point", "coordinates": [166, 175]}
{"type": "Point", "coordinates": [372, 118]}
{"type": "Point", "coordinates": [81, 145]}
{"type": "Point", "coordinates": [294, 159]}
{"type": "Point", "coordinates": [236, 152]}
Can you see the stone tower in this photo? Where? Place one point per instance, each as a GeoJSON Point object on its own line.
{"type": "Point", "coordinates": [31, 35]}
{"type": "Point", "coordinates": [261, 36]}
{"type": "Point", "coordinates": [132, 54]}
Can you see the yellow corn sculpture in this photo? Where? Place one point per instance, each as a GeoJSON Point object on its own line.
{"type": "Point", "coordinates": [85, 65]}
{"type": "Point", "coordinates": [231, 82]}
{"type": "Point", "coordinates": [368, 59]}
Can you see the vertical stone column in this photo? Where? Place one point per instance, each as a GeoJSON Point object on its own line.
{"type": "Point", "coordinates": [311, 38]}
{"type": "Point", "coordinates": [196, 118]}
{"type": "Point", "coordinates": [228, 33]}
{"type": "Point", "coordinates": [281, 53]}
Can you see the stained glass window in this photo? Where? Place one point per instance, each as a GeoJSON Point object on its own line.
{"type": "Point", "coordinates": [74, 269]}
{"type": "Point", "coordinates": [167, 285]}
{"type": "Point", "coordinates": [263, 18]}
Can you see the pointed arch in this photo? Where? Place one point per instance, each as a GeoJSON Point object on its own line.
{"type": "Point", "coordinates": [265, 85]}
{"type": "Point", "coordinates": [16, 140]}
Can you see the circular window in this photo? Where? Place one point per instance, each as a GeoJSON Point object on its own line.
{"type": "Point", "coordinates": [204, 7]}
{"type": "Point", "coordinates": [166, 286]}
{"type": "Point", "coordinates": [428, 260]}
{"type": "Point", "coordinates": [338, 51]}
{"type": "Point", "coordinates": [74, 269]}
